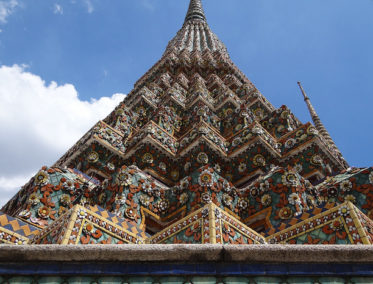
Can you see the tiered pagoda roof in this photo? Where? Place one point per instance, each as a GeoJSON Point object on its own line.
{"type": "Point", "coordinates": [196, 154]}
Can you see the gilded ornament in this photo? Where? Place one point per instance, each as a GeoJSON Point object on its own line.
{"type": "Point", "coordinates": [266, 200]}
{"type": "Point", "coordinates": [34, 199]}
{"type": "Point", "coordinates": [316, 160]}
{"type": "Point", "coordinates": [205, 179]}
{"type": "Point", "coordinates": [241, 168]}
{"type": "Point", "coordinates": [351, 198]}
{"type": "Point", "coordinates": [259, 160]}
{"type": "Point", "coordinates": [163, 205]}
{"type": "Point", "coordinates": [371, 177]}
{"type": "Point", "coordinates": [183, 198]}
{"type": "Point", "coordinates": [41, 178]}
{"type": "Point", "coordinates": [162, 166]}
{"type": "Point", "coordinates": [93, 157]}
{"type": "Point", "coordinates": [289, 179]}
{"type": "Point", "coordinates": [145, 200]}
{"type": "Point", "coordinates": [110, 166]}
{"type": "Point", "coordinates": [206, 197]}
{"type": "Point", "coordinates": [242, 204]}
{"type": "Point", "coordinates": [227, 200]}
{"type": "Point", "coordinates": [285, 213]}
{"type": "Point", "coordinates": [294, 198]}
{"type": "Point", "coordinates": [202, 158]}
{"type": "Point", "coordinates": [344, 211]}
{"type": "Point", "coordinates": [43, 212]}
{"type": "Point", "coordinates": [65, 199]}
{"type": "Point", "coordinates": [259, 113]}
{"type": "Point", "coordinates": [346, 186]}
{"type": "Point", "coordinates": [175, 175]}
{"type": "Point", "coordinates": [147, 158]}
{"type": "Point", "coordinates": [311, 130]}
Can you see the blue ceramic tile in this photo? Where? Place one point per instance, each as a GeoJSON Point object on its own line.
{"type": "Point", "coordinates": [185, 269]}
{"type": "Point", "coordinates": [253, 269]}
{"type": "Point", "coordinates": [229, 269]}
{"type": "Point", "coordinates": [363, 269]}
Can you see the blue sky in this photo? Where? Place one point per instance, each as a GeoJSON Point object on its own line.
{"type": "Point", "coordinates": [93, 49]}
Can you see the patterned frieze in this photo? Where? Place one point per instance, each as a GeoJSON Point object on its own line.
{"type": "Point", "coordinates": [339, 225]}
{"type": "Point", "coordinates": [51, 193]}
{"type": "Point", "coordinates": [354, 185]}
{"type": "Point", "coordinates": [208, 224]}
{"type": "Point", "coordinates": [91, 225]}
{"type": "Point", "coordinates": [10, 237]}
{"type": "Point", "coordinates": [280, 122]}
{"type": "Point", "coordinates": [102, 133]}
{"type": "Point", "coordinates": [15, 231]}
{"type": "Point", "coordinates": [97, 161]}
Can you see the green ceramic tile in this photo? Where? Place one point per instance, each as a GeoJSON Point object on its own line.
{"type": "Point", "coordinates": [172, 280]}
{"type": "Point", "coordinates": [81, 280]}
{"type": "Point", "coordinates": [361, 280]}
{"type": "Point", "coordinates": [21, 280]}
{"type": "Point", "coordinates": [141, 280]}
{"type": "Point", "coordinates": [50, 280]}
{"type": "Point", "coordinates": [332, 280]}
{"type": "Point", "coordinates": [301, 280]}
{"type": "Point", "coordinates": [110, 280]}
{"type": "Point", "coordinates": [236, 280]}
{"type": "Point", "coordinates": [267, 280]}
{"type": "Point", "coordinates": [204, 280]}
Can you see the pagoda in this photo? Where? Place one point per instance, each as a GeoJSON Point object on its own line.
{"type": "Point", "coordinates": [195, 154]}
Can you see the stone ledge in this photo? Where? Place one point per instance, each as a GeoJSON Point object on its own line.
{"type": "Point", "coordinates": [188, 253]}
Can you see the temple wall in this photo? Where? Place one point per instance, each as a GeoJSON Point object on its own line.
{"type": "Point", "coordinates": [186, 264]}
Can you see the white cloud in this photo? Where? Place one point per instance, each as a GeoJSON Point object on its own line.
{"type": "Point", "coordinates": [58, 9]}
{"type": "Point", "coordinates": [7, 7]}
{"type": "Point", "coordinates": [89, 5]}
{"type": "Point", "coordinates": [39, 122]}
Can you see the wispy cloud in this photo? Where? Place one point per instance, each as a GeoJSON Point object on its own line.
{"type": "Point", "coordinates": [7, 7]}
{"type": "Point", "coordinates": [89, 6]}
{"type": "Point", "coordinates": [58, 9]}
{"type": "Point", "coordinates": [147, 4]}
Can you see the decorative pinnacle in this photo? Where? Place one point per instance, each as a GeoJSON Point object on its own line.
{"type": "Point", "coordinates": [195, 11]}
{"type": "Point", "coordinates": [308, 102]}
{"type": "Point", "coordinates": [319, 125]}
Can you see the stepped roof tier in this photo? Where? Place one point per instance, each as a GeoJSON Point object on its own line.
{"type": "Point", "coordinates": [195, 154]}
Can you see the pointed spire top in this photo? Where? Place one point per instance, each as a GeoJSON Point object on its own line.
{"type": "Point", "coordinates": [195, 11]}
{"type": "Point", "coordinates": [320, 126]}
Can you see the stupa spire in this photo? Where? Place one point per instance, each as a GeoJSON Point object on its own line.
{"type": "Point", "coordinates": [195, 11]}
{"type": "Point", "coordinates": [195, 34]}
{"type": "Point", "coordinates": [318, 124]}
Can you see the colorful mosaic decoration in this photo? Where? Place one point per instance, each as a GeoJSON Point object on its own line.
{"type": "Point", "coordinates": [195, 154]}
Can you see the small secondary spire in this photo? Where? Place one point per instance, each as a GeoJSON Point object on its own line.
{"type": "Point", "coordinates": [318, 124]}
{"type": "Point", "coordinates": [195, 11]}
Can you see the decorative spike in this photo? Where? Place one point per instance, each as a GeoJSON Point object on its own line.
{"type": "Point", "coordinates": [195, 11]}
{"type": "Point", "coordinates": [319, 125]}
